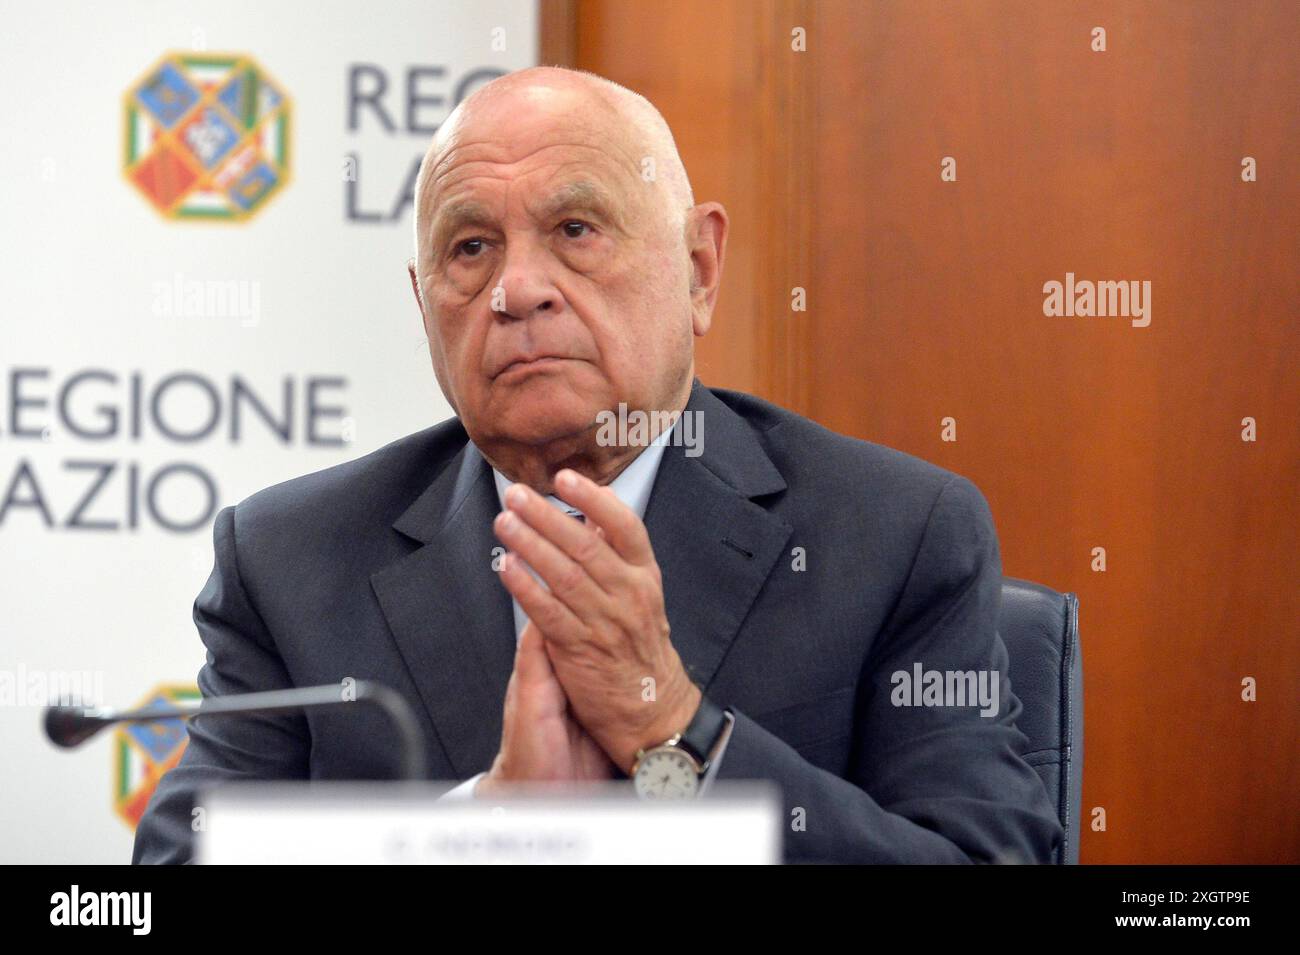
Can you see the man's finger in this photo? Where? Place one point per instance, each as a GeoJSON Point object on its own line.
{"type": "Point", "coordinates": [532, 665]}
{"type": "Point", "coordinates": [551, 616]}
{"type": "Point", "coordinates": [623, 529]}
{"type": "Point", "coordinates": [567, 579]}
{"type": "Point", "coordinates": [582, 543]}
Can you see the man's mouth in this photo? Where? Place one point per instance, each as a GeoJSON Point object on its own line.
{"type": "Point", "coordinates": [523, 366]}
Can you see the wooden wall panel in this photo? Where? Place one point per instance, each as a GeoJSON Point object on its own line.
{"type": "Point", "coordinates": [926, 301]}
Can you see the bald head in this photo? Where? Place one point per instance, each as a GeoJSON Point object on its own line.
{"type": "Point", "coordinates": [626, 118]}
{"type": "Point", "coordinates": [562, 268]}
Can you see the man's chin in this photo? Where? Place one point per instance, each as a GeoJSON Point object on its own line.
{"type": "Point", "coordinates": [538, 425]}
{"type": "Point", "coordinates": [542, 411]}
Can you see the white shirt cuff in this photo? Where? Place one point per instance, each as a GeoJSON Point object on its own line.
{"type": "Point", "coordinates": [717, 760]}
{"type": "Point", "coordinates": [462, 791]}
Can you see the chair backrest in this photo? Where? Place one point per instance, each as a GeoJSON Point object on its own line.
{"type": "Point", "coordinates": [1040, 628]}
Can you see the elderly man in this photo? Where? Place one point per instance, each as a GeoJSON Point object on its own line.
{"type": "Point", "coordinates": [723, 590]}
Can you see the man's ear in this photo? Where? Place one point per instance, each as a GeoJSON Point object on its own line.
{"type": "Point", "coordinates": [707, 243]}
{"type": "Point", "coordinates": [415, 287]}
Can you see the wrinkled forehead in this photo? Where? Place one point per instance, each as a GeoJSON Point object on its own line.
{"type": "Point", "coordinates": [548, 149]}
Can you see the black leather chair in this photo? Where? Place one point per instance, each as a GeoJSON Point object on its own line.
{"type": "Point", "coordinates": [1040, 628]}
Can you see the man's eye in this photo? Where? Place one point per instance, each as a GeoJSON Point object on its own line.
{"type": "Point", "coordinates": [469, 248]}
{"type": "Point", "coordinates": [572, 228]}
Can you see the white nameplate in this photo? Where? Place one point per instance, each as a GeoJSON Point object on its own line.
{"type": "Point", "coordinates": [328, 823]}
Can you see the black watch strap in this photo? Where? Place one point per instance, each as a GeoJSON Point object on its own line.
{"type": "Point", "coordinates": [705, 730]}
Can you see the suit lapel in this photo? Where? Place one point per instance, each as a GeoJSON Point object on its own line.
{"type": "Point", "coordinates": [449, 614]}
{"type": "Point", "coordinates": [714, 545]}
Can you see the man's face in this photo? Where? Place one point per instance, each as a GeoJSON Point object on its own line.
{"type": "Point", "coordinates": [554, 284]}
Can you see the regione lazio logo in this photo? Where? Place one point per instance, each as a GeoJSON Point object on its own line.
{"type": "Point", "coordinates": [142, 752]}
{"type": "Point", "coordinates": [207, 136]}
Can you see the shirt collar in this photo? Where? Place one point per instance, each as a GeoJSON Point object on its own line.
{"type": "Point", "coordinates": [632, 486]}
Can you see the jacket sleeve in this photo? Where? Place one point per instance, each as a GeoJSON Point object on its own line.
{"type": "Point", "coordinates": [241, 658]}
{"type": "Point", "coordinates": [924, 784]}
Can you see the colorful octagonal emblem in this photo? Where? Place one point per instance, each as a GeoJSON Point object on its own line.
{"type": "Point", "coordinates": [207, 136]}
{"type": "Point", "coordinates": [143, 752]}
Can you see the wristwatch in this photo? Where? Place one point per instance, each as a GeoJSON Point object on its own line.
{"type": "Point", "coordinates": [675, 768]}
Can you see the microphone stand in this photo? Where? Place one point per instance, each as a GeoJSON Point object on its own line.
{"type": "Point", "coordinates": [69, 725]}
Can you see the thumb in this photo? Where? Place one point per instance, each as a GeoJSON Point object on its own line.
{"type": "Point", "coordinates": [532, 665]}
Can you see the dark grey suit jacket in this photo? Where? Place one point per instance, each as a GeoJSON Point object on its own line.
{"type": "Point", "coordinates": [381, 569]}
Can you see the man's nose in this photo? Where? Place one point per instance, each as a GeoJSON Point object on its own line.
{"type": "Point", "coordinates": [526, 289]}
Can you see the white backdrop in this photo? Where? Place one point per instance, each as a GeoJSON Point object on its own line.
{"type": "Point", "coordinates": [89, 272]}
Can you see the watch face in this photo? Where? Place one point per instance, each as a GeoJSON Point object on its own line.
{"type": "Point", "coordinates": [666, 773]}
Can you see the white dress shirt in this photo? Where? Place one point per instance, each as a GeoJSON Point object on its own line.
{"type": "Point", "coordinates": [632, 487]}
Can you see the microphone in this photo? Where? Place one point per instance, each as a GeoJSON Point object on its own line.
{"type": "Point", "coordinates": [71, 725]}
